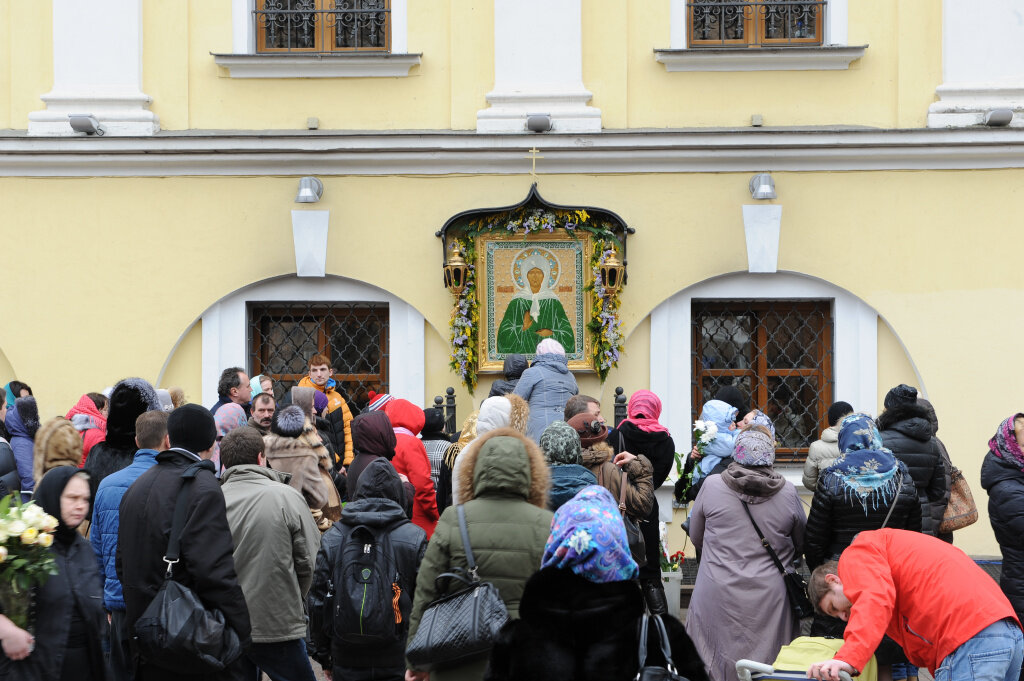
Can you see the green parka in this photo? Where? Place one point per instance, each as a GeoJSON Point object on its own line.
{"type": "Point", "coordinates": [504, 482]}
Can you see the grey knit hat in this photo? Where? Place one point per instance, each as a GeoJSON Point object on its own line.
{"type": "Point", "coordinates": [561, 444]}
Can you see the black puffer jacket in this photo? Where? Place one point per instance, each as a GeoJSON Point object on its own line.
{"type": "Point", "coordinates": [1004, 483]}
{"type": "Point", "coordinates": [571, 628]}
{"type": "Point", "coordinates": [910, 435]}
{"type": "Point", "coordinates": [835, 519]}
{"type": "Point", "coordinates": [513, 368]}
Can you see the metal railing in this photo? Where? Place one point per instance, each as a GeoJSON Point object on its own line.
{"type": "Point", "coordinates": [323, 26]}
{"type": "Point", "coordinates": [764, 23]}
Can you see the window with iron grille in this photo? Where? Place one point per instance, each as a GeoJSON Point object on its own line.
{"type": "Point", "coordinates": [778, 353]}
{"type": "Point", "coordinates": [283, 336]}
{"type": "Point", "coordinates": [755, 23]}
{"type": "Point", "coordinates": [307, 26]}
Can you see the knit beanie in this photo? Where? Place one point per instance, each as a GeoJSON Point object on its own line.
{"type": "Point", "coordinates": [901, 394]}
{"type": "Point", "coordinates": [319, 402]}
{"type": "Point", "coordinates": [754, 447]}
{"type": "Point", "coordinates": [288, 421]}
{"type": "Point", "coordinates": [584, 425]}
{"type": "Point", "coordinates": [377, 400]}
{"type": "Point", "coordinates": [57, 444]}
{"type": "Point", "coordinates": [732, 396]}
{"type": "Point", "coordinates": [130, 398]}
{"type": "Point", "coordinates": [560, 444]}
{"type": "Point", "coordinates": [433, 421]}
{"type": "Point", "coordinates": [191, 427]}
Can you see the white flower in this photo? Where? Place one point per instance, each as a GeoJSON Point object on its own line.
{"type": "Point", "coordinates": [706, 438]}
{"type": "Point", "coordinates": [712, 429]}
{"type": "Point", "coordinates": [699, 425]}
{"type": "Point", "coordinates": [579, 541]}
{"type": "Point", "coordinates": [16, 527]}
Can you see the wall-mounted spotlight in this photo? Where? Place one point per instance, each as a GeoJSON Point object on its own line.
{"type": "Point", "coordinates": [86, 123]}
{"type": "Point", "coordinates": [310, 190]}
{"type": "Point", "coordinates": [762, 186]}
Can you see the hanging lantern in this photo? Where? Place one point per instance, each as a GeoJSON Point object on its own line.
{"type": "Point", "coordinates": [455, 271]}
{"type": "Point", "coordinates": [612, 274]}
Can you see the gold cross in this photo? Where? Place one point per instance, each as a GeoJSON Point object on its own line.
{"type": "Point", "coordinates": [534, 155]}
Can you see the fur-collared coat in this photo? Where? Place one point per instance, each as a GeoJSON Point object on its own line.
{"type": "Point", "coordinates": [572, 628]}
{"type": "Point", "coordinates": [503, 483]}
{"type": "Point", "coordinates": [306, 459]}
{"type": "Point", "coordinates": [639, 478]}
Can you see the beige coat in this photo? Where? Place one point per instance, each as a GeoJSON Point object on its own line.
{"type": "Point", "coordinates": [820, 456]}
{"type": "Point", "coordinates": [639, 478]}
{"type": "Point", "coordinates": [301, 458]}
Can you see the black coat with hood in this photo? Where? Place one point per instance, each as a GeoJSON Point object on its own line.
{"type": "Point", "coordinates": [377, 504]}
{"type": "Point", "coordinates": [572, 628]}
{"type": "Point", "coordinates": [909, 434]}
{"type": "Point", "coordinates": [76, 590]}
{"type": "Point", "coordinates": [512, 369]}
{"type": "Point", "coordinates": [1004, 482]}
{"type": "Point", "coordinates": [130, 398]}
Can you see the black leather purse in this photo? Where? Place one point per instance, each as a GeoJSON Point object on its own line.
{"type": "Point", "coordinates": [796, 586]}
{"type": "Point", "coordinates": [176, 631]}
{"type": "Point", "coordinates": [652, 673]}
{"type": "Point", "coordinates": [463, 625]}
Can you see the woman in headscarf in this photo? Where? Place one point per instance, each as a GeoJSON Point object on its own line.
{"type": "Point", "coordinates": [70, 624]}
{"type": "Point", "coordinates": [373, 437]}
{"type": "Point", "coordinates": [739, 607]}
{"type": "Point", "coordinates": [1002, 476]}
{"type": "Point", "coordinates": [865, 488]}
{"type": "Point", "coordinates": [600, 459]}
{"type": "Point", "coordinates": [641, 434]}
{"type": "Point", "coordinates": [561, 446]}
{"type": "Point", "coordinates": [313, 403]}
{"type": "Point", "coordinates": [503, 486]}
{"type": "Point", "coordinates": [22, 422]}
{"type": "Point", "coordinates": [546, 386]}
{"type": "Point", "coordinates": [228, 417]}
{"type": "Point", "coordinates": [580, 613]}
{"type": "Point", "coordinates": [535, 313]}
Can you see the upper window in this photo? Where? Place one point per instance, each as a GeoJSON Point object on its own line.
{"type": "Point", "coordinates": [322, 26]}
{"type": "Point", "coordinates": [756, 23]}
{"type": "Point", "coordinates": [778, 353]}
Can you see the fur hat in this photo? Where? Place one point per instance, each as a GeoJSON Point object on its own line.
{"type": "Point", "coordinates": [583, 424]}
{"type": "Point", "coordinates": [901, 394]}
{"type": "Point", "coordinates": [288, 421]}
{"type": "Point", "coordinates": [560, 444]}
{"type": "Point", "coordinates": [28, 410]}
{"type": "Point", "coordinates": [130, 398]}
{"type": "Point", "coordinates": [57, 444]}
{"type": "Point", "coordinates": [191, 427]}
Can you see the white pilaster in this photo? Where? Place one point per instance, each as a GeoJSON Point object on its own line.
{"type": "Point", "coordinates": [538, 68]}
{"type": "Point", "coordinates": [982, 63]}
{"type": "Point", "coordinates": [97, 69]}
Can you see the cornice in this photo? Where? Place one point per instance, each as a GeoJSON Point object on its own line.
{"type": "Point", "coordinates": [453, 152]}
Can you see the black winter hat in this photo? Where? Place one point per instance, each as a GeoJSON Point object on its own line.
{"type": "Point", "coordinates": [837, 411]}
{"type": "Point", "coordinates": [288, 421]}
{"type": "Point", "coordinates": [733, 396]}
{"type": "Point", "coordinates": [901, 394]}
{"type": "Point", "coordinates": [192, 427]}
{"type": "Point", "coordinates": [130, 398]}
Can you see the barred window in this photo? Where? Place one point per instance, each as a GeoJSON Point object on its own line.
{"type": "Point", "coordinates": [778, 353]}
{"type": "Point", "coordinates": [323, 26]}
{"type": "Point", "coordinates": [283, 336]}
{"type": "Point", "coordinates": [755, 23]}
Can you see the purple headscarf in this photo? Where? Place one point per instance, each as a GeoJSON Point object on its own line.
{"type": "Point", "coordinates": [1004, 443]}
{"type": "Point", "coordinates": [588, 537]}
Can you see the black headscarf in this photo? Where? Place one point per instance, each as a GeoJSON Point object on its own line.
{"type": "Point", "coordinates": [372, 433]}
{"type": "Point", "coordinates": [47, 496]}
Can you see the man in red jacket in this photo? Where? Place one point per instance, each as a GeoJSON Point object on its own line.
{"type": "Point", "coordinates": [928, 596]}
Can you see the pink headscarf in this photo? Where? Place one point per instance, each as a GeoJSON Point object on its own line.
{"type": "Point", "coordinates": [643, 410]}
{"type": "Point", "coordinates": [549, 346]}
{"type": "Point", "coordinates": [227, 418]}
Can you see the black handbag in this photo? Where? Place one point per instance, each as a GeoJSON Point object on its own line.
{"type": "Point", "coordinates": [463, 625]}
{"type": "Point", "coordinates": [652, 673]}
{"type": "Point", "coordinates": [796, 586]}
{"type": "Point", "coordinates": [176, 631]}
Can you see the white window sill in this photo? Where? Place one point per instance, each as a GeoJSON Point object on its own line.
{"type": "Point", "coordinates": [349, 65]}
{"type": "Point", "coordinates": [827, 58]}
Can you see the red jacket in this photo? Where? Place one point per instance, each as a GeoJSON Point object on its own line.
{"type": "Point", "coordinates": [88, 420]}
{"type": "Point", "coordinates": [411, 460]}
{"type": "Point", "coordinates": [927, 595]}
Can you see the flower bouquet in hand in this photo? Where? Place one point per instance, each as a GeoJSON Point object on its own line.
{"type": "Point", "coordinates": [704, 433]}
{"type": "Point", "coordinates": [26, 534]}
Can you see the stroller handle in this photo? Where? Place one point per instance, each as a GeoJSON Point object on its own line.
{"type": "Point", "coordinates": [745, 669]}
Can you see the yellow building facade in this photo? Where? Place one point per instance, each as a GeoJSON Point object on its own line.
{"type": "Point", "coordinates": [145, 250]}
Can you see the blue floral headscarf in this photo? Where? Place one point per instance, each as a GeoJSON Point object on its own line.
{"type": "Point", "coordinates": [588, 537]}
{"type": "Point", "coordinates": [865, 469]}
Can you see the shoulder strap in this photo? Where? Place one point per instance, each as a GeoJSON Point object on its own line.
{"type": "Point", "coordinates": [642, 650]}
{"type": "Point", "coordinates": [622, 492]}
{"type": "Point", "coordinates": [465, 541]}
{"type": "Point", "coordinates": [600, 475]}
{"type": "Point", "coordinates": [892, 504]}
{"type": "Point", "coordinates": [764, 542]}
{"type": "Point", "coordinates": [666, 648]}
{"type": "Point", "coordinates": [180, 509]}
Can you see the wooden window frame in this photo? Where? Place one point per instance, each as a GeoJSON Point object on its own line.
{"type": "Point", "coordinates": [320, 34]}
{"type": "Point", "coordinates": [759, 372]}
{"type": "Point", "coordinates": [754, 30]}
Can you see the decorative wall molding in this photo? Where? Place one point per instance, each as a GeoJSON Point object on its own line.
{"type": "Point", "coordinates": [826, 58]}
{"type": "Point", "coordinates": [346, 65]}
{"type": "Point", "coordinates": [762, 225]}
{"type": "Point", "coordinates": [309, 234]}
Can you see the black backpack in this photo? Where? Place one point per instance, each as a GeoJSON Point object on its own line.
{"type": "Point", "coordinates": [370, 601]}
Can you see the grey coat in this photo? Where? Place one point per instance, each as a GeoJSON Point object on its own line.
{"type": "Point", "coordinates": [739, 607]}
{"type": "Point", "coordinates": [547, 386]}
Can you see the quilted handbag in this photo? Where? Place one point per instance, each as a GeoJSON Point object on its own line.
{"type": "Point", "coordinates": [463, 625]}
{"type": "Point", "coordinates": [961, 510]}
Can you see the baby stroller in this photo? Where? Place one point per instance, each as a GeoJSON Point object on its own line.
{"type": "Point", "coordinates": [796, 658]}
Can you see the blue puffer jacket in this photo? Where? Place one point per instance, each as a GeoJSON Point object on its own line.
{"type": "Point", "coordinates": [22, 436]}
{"type": "Point", "coordinates": [106, 520]}
{"type": "Point", "coordinates": [547, 386]}
{"type": "Point", "coordinates": [566, 481]}
{"type": "Point", "coordinates": [723, 416]}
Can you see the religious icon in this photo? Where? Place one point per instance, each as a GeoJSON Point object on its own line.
{"type": "Point", "coordinates": [533, 288]}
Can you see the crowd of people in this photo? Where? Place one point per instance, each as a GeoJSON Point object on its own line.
{"type": "Point", "coordinates": [315, 530]}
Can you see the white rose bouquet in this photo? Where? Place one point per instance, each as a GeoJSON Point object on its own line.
{"type": "Point", "coordinates": [704, 432]}
{"type": "Point", "coordinates": [26, 534]}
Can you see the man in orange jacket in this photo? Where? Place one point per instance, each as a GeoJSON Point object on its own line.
{"type": "Point", "coordinates": [929, 597]}
{"type": "Point", "coordinates": [319, 378]}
